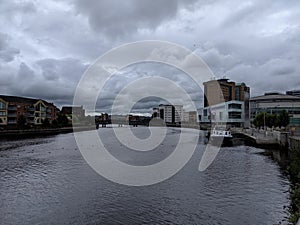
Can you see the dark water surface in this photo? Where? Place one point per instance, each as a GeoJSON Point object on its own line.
{"type": "Point", "coordinates": [46, 181]}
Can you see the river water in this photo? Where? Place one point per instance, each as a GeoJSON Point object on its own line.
{"type": "Point", "coordinates": [47, 181]}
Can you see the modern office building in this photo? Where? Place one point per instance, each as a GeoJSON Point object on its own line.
{"type": "Point", "coordinates": [274, 103]}
{"type": "Point", "coordinates": [171, 114]}
{"type": "Point", "coordinates": [226, 102]}
{"type": "Point", "coordinates": [227, 113]}
{"type": "Point", "coordinates": [34, 111]}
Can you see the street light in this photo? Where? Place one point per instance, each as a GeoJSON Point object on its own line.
{"type": "Point", "coordinates": [264, 118]}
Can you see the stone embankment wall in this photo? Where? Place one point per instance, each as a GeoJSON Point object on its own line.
{"type": "Point", "coordinates": [265, 137]}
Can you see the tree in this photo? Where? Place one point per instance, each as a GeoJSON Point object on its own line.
{"type": "Point", "coordinates": [283, 118]}
{"type": "Point", "coordinates": [62, 120]}
{"type": "Point", "coordinates": [271, 120]}
{"type": "Point", "coordinates": [54, 123]}
{"type": "Point", "coordinates": [259, 119]}
{"type": "Point", "coordinates": [45, 122]}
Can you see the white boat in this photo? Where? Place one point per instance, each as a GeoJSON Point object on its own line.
{"type": "Point", "coordinates": [221, 137]}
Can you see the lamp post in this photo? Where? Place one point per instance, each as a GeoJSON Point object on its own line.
{"type": "Point", "coordinates": [265, 121]}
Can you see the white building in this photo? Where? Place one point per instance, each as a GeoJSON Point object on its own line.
{"type": "Point", "coordinates": [178, 113]}
{"type": "Point", "coordinates": [185, 117]}
{"type": "Point", "coordinates": [231, 113]}
{"type": "Point", "coordinates": [171, 114]}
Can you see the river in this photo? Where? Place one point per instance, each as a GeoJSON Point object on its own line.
{"type": "Point", "coordinates": [46, 181]}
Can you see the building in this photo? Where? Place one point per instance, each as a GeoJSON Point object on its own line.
{"type": "Point", "coordinates": [185, 117]}
{"type": "Point", "coordinates": [230, 113]}
{"type": "Point", "coordinates": [33, 111]}
{"type": "Point", "coordinates": [77, 111]}
{"type": "Point", "coordinates": [294, 93]}
{"type": "Point", "coordinates": [200, 115]}
{"type": "Point", "coordinates": [226, 102]}
{"type": "Point", "coordinates": [218, 91]}
{"type": "Point", "coordinates": [171, 114]}
{"type": "Point", "coordinates": [274, 103]}
{"type": "Point", "coordinates": [155, 113]}
{"type": "Point", "coordinates": [193, 117]}
{"type": "Point", "coordinates": [189, 117]}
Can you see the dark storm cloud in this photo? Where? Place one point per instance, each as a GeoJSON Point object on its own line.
{"type": "Point", "coordinates": [54, 80]}
{"type": "Point", "coordinates": [116, 18]}
{"type": "Point", "coordinates": [47, 45]}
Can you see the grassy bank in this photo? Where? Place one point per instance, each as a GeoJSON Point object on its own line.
{"type": "Point", "coordinates": [294, 171]}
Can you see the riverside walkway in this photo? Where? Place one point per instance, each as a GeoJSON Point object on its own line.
{"type": "Point", "coordinates": [264, 137]}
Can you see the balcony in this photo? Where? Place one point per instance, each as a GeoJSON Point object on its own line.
{"type": "Point", "coordinates": [12, 115]}
{"type": "Point", "coordinates": [12, 122]}
{"type": "Point", "coordinates": [12, 108]}
{"type": "Point", "coordinates": [32, 109]}
{"type": "Point", "coordinates": [29, 115]}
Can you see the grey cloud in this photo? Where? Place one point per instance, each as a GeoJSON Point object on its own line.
{"type": "Point", "coordinates": [25, 73]}
{"type": "Point", "coordinates": [50, 79]}
{"type": "Point", "coordinates": [7, 52]}
{"type": "Point", "coordinates": [11, 8]}
{"type": "Point", "coordinates": [115, 18]}
{"type": "Point", "coordinates": [50, 44]}
{"type": "Point", "coordinates": [54, 69]}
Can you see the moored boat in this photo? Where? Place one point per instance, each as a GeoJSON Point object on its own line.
{"type": "Point", "coordinates": [220, 137]}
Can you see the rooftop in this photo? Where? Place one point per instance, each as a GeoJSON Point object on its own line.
{"type": "Point", "coordinates": [275, 96]}
{"type": "Point", "coordinates": [9, 98]}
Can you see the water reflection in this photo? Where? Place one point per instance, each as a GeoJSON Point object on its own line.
{"type": "Point", "coordinates": [46, 181]}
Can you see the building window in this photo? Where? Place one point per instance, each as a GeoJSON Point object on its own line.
{"type": "Point", "coordinates": [2, 105]}
{"type": "Point", "coordinates": [235, 106]}
{"type": "Point", "coordinates": [235, 115]}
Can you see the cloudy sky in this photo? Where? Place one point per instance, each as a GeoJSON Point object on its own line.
{"type": "Point", "coordinates": [45, 46]}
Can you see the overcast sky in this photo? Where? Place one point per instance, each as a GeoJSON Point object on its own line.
{"type": "Point", "coordinates": [45, 46]}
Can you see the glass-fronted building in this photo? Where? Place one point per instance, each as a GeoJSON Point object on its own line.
{"type": "Point", "coordinates": [274, 103]}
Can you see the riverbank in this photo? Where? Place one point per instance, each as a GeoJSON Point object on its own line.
{"type": "Point", "coordinates": [290, 145]}
{"type": "Point", "coordinates": [262, 138]}
{"type": "Point", "coordinates": [294, 171]}
{"type": "Point", "coordinates": [41, 131]}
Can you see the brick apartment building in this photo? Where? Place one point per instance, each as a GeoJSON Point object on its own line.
{"type": "Point", "coordinates": [35, 111]}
